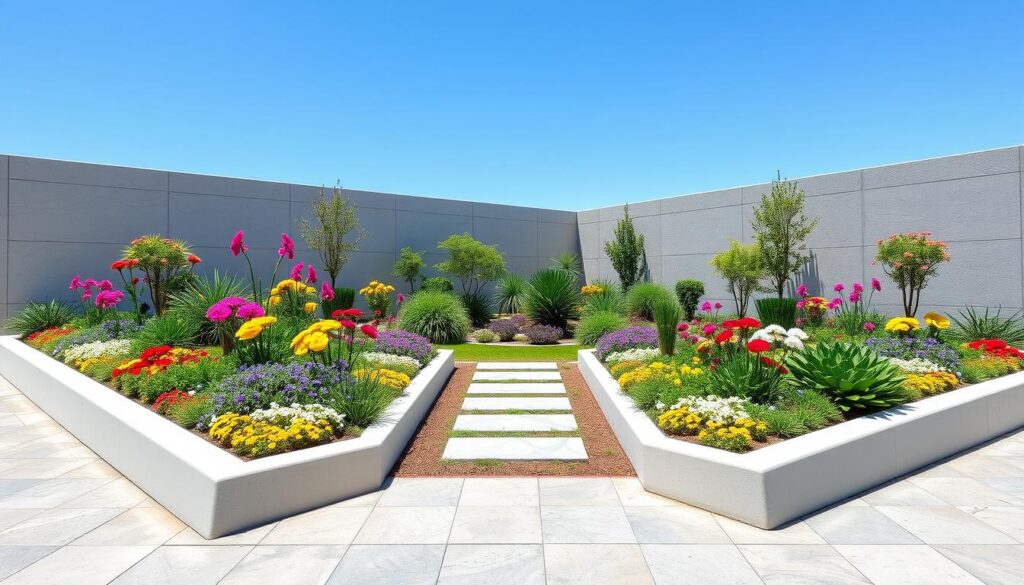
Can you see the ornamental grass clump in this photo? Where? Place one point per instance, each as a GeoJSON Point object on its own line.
{"type": "Point", "coordinates": [667, 315]}
{"type": "Point", "coordinates": [438, 316]}
{"type": "Point", "coordinates": [510, 292]}
{"type": "Point", "coordinates": [971, 324]}
{"type": "Point", "coordinates": [643, 296]}
{"type": "Point", "coordinates": [552, 298]}
{"type": "Point", "coordinates": [595, 324]}
{"type": "Point", "coordinates": [911, 260]}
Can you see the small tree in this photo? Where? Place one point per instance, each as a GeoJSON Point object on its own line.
{"type": "Point", "coordinates": [780, 229]}
{"type": "Point", "coordinates": [626, 251]}
{"type": "Point", "coordinates": [911, 260]}
{"type": "Point", "coordinates": [335, 221]}
{"type": "Point", "coordinates": [741, 268]}
{"type": "Point", "coordinates": [409, 266]}
{"type": "Point", "coordinates": [689, 292]}
{"type": "Point", "coordinates": [472, 262]}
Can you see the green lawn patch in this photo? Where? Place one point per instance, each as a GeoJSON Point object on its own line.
{"type": "Point", "coordinates": [481, 352]}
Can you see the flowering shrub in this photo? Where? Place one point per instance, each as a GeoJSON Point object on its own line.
{"type": "Point", "coordinates": [543, 334]}
{"type": "Point", "coordinates": [252, 438]}
{"type": "Point", "coordinates": [284, 415]}
{"type": "Point", "coordinates": [628, 338]}
{"type": "Point", "coordinates": [931, 383]}
{"type": "Point", "coordinates": [907, 348]}
{"type": "Point", "coordinates": [911, 260]}
{"type": "Point", "coordinates": [156, 359]}
{"type": "Point", "coordinates": [384, 377]}
{"type": "Point", "coordinates": [996, 347]}
{"type": "Point", "coordinates": [717, 422]}
{"type": "Point", "coordinates": [592, 289]}
{"type": "Point", "coordinates": [293, 298]}
{"type": "Point", "coordinates": [401, 342]}
{"type": "Point", "coordinates": [169, 399]}
{"type": "Point", "coordinates": [399, 363]}
{"type": "Point", "coordinates": [106, 331]}
{"type": "Point", "coordinates": [641, 354]}
{"type": "Point", "coordinates": [506, 329]}
{"type": "Point", "coordinates": [659, 370]}
{"type": "Point", "coordinates": [78, 354]}
{"type": "Point", "coordinates": [378, 297]}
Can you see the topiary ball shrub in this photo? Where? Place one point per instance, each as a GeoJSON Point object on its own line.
{"type": "Point", "coordinates": [627, 338]}
{"type": "Point", "coordinates": [485, 336]}
{"type": "Point", "coordinates": [593, 325]}
{"type": "Point", "coordinates": [438, 316]}
{"type": "Point", "coordinates": [543, 334]}
{"type": "Point", "coordinates": [642, 296]}
{"type": "Point", "coordinates": [552, 298]}
{"type": "Point", "coordinates": [506, 329]}
{"type": "Point", "coordinates": [689, 292]}
{"type": "Point", "coordinates": [437, 284]}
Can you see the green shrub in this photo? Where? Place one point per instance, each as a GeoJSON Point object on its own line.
{"type": "Point", "coordinates": [191, 303]}
{"type": "Point", "coordinates": [666, 318]}
{"type": "Point", "coordinates": [485, 336]}
{"type": "Point", "coordinates": [971, 325]}
{"type": "Point", "coordinates": [364, 401]}
{"type": "Point", "coordinates": [438, 316]}
{"type": "Point", "coordinates": [689, 292]}
{"type": "Point", "coordinates": [39, 316]}
{"type": "Point", "coordinates": [594, 324]}
{"type": "Point", "coordinates": [510, 292]}
{"type": "Point", "coordinates": [626, 251]}
{"type": "Point", "coordinates": [168, 329]}
{"type": "Point", "coordinates": [745, 376]}
{"type": "Point", "coordinates": [552, 298]}
{"type": "Point", "coordinates": [610, 299]}
{"type": "Point", "coordinates": [775, 311]}
{"type": "Point", "coordinates": [740, 266]}
{"type": "Point", "coordinates": [344, 298]}
{"type": "Point", "coordinates": [188, 413]}
{"type": "Point", "coordinates": [478, 305]}
{"type": "Point", "coordinates": [798, 413]}
{"type": "Point", "coordinates": [642, 296]}
{"type": "Point", "coordinates": [185, 377]}
{"type": "Point", "coordinates": [853, 376]}
{"type": "Point", "coordinates": [437, 284]}
{"type": "Point", "coordinates": [409, 267]}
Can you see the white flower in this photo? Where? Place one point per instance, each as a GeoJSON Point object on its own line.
{"type": "Point", "coordinates": [775, 330]}
{"type": "Point", "coordinates": [642, 354]}
{"type": "Point", "coordinates": [97, 349]}
{"type": "Point", "coordinates": [798, 333]}
{"type": "Point", "coordinates": [715, 408]}
{"type": "Point", "coordinates": [917, 365]}
{"type": "Point", "coordinates": [399, 363]}
{"type": "Point", "coordinates": [793, 342]}
{"type": "Point", "coordinates": [284, 415]}
{"type": "Point", "coordinates": [763, 335]}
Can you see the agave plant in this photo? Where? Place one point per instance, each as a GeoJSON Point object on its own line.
{"type": "Point", "coordinates": [510, 292]}
{"type": "Point", "coordinates": [552, 298]}
{"type": "Point", "coordinates": [854, 376]}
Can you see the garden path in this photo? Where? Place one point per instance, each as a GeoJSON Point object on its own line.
{"type": "Point", "coordinates": [516, 411]}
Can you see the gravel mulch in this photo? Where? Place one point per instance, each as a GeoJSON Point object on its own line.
{"type": "Point", "coordinates": [422, 458]}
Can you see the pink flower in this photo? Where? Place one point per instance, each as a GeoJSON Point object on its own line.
{"type": "Point", "coordinates": [854, 296]}
{"type": "Point", "coordinates": [348, 324]}
{"type": "Point", "coordinates": [800, 304]}
{"type": "Point", "coordinates": [218, 312]}
{"type": "Point", "coordinates": [706, 306]}
{"type": "Point", "coordinates": [86, 295]}
{"type": "Point", "coordinates": [834, 303]}
{"type": "Point", "coordinates": [311, 278]}
{"type": "Point", "coordinates": [838, 287]}
{"type": "Point", "coordinates": [869, 326]}
{"type": "Point", "coordinates": [296, 273]}
{"type": "Point", "coordinates": [238, 243]}
{"type": "Point", "coordinates": [802, 290]}
{"type": "Point", "coordinates": [682, 327]}
{"type": "Point", "coordinates": [858, 287]}
{"type": "Point", "coordinates": [709, 329]}
{"type": "Point", "coordinates": [106, 299]}
{"type": "Point", "coordinates": [76, 283]}
{"type": "Point", "coordinates": [326, 292]}
{"type": "Point", "coordinates": [250, 311]}
{"type": "Point", "coordinates": [89, 283]}
{"type": "Point", "coordinates": [234, 301]}
{"type": "Point", "coordinates": [287, 247]}
{"type": "Point", "coordinates": [875, 284]}
{"type": "Point", "coordinates": [718, 306]}
{"type": "Point", "coordinates": [401, 298]}
{"type": "Point", "coordinates": [105, 285]}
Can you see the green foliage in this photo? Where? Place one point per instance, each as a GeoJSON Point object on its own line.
{"type": "Point", "coordinates": [911, 260]}
{"type": "Point", "coordinates": [853, 376]}
{"type": "Point", "coordinates": [777, 311]}
{"type": "Point", "coordinates": [568, 262]}
{"type": "Point", "coordinates": [642, 296]}
{"type": "Point", "coordinates": [626, 251]}
{"type": "Point", "coordinates": [780, 230]}
{"type": "Point", "coordinates": [594, 324]}
{"type": "Point", "coordinates": [185, 377]}
{"type": "Point", "coordinates": [510, 293]}
{"type": "Point", "coordinates": [39, 316]}
{"type": "Point", "coordinates": [798, 413]}
{"type": "Point", "coordinates": [438, 316]}
{"type": "Point", "coordinates": [971, 325]}
{"type": "Point", "coordinates": [851, 322]}
{"type": "Point", "coordinates": [409, 267]}
{"type": "Point", "coordinates": [344, 298]}
{"type": "Point", "coordinates": [336, 220]}
{"type": "Point", "coordinates": [198, 296]}
{"type": "Point", "coordinates": [746, 376]}
{"type": "Point", "coordinates": [485, 336]}
{"type": "Point", "coordinates": [610, 300]}
{"type": "Point", "coordinates": [689, 292]}
{"type": "Point", "coordinates": [471, 261]}
{"type": "Point", "coordinates": [667, 315]}
{"type": "Point", "coordinates": [478, 305]}
{"type": "Point", "coordinates": [165, 264]}
{"type": "Point", "coordinates": [364, 401]}
{"type": "Point", "coordinates": [437, 284]}
{"type": "Point", "coordinates": [552, 298]}
{"type": "Point", "coordinates": [188, 413]}
{"type": "Point", "coordinates": [741, 267]}
{"type": "Point", "coordinates": [167, 330]}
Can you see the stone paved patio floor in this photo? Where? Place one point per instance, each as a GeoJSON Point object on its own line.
{"type": "Point", "coordinates": [68, 517]}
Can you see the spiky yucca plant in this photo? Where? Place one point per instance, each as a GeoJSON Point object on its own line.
{"type": "Point", "coordinates": [552, 298]}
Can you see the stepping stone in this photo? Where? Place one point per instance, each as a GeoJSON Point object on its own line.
{"type": "Point", "coordinates": [515, 448]}
{"type": "Point", "coordinates": [509, 376]}
{"type": "Point", "coordinates": [516, 403]}
{"type": "Point", "coordinates": [517, 366]}
{"type": "Point", "coordinates": [531, 388]}
{"type": "Point", "coordinates": [515, 422]}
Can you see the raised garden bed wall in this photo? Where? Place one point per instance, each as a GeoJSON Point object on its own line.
{"type": "Point", "coordinates": [208, 488]}
{"type": "Point", "coordinates": [775, 485]}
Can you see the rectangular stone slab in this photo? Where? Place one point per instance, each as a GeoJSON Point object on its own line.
{"type": "Point", "coordinates": [515, 422]}
{"type": "Point", "coordinates": [517, 366]}
{"type": "Point", "coordinates": [516, 403]}
{"type": "Point", "coordinates": [528, 388]}
{"type": "Point", "coordinates": [509, 376]}
{"type": "Point", "coordinates": [516, 448]}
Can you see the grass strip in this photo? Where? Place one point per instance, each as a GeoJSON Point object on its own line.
{"type": "Point", "coordinates": [479, 352]}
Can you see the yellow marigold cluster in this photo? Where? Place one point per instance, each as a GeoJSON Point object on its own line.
{"type": "Point", "coordinates": [680, 421]}
{"type": "Point", "coordinates": [624, 366]}
{"type": "Point", "coordinates": [257, 438]}
{"type": "Point", "coordinates": [315, 337]}
{"type": "Point", "coordinates": [384, 376]}
{"type": "Point", "coordinates": [253, 327]}
{"type": "Point", "coordinates": [902, 325]}
{"type": "Point", "coordinates": [376, 288]}
{"type": "Point", "coordinates": [592, 289]}
{"type": "Point", "coordinates": [936, 320]}
{"type": "Point", "coordinates": [294, 286]}
{"type": "Point", "coordinates": [659, 370]}
{"type": "Point", "coordinates": [738, 436]}
{"type": "Point", "coordinates": [85, 364]}
{"type": "Point", "coordinates": [732, 438]}
{"type": "Point", "coordinates": [931, 383]}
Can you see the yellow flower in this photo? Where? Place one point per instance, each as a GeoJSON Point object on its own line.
{"type": "Point", "coordinates": [936, 320]}
{"type": "Point", "coordinates": [275, 299]}
{"type": "Point", "coordinates": [252, 328]}
{"type": "Point", "coordinates": [309, 307]}
{"type": "Point", "coordinates": [902, 325]}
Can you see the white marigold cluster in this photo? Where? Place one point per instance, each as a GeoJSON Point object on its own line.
{"type": "Point", "coordinates": [778, 336]}
{"type": "Point", "coordinates": [640, 354]}
{"type": "Point", "coordinates": [376, 360]}
{"type": "Point", "coordinates": [715, 408]}
{"type": "Point", "coordinates": [917, 365]}
{"type": "Point", "coordinates": [97, 349]}
{"type": "Point", "coordinates": [282, 416]}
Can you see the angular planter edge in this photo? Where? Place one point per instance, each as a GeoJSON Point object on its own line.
{"type": "Point", "coordinates": [205, 486]}
{"type": "Point", "coordinates": [780, 483]}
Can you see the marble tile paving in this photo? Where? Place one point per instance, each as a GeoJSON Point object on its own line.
{"type": "Point", "coordinates": [68, 518]}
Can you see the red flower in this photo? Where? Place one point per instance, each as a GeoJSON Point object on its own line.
{"type": "Point", "coordinates": [193, 259]}
{"type": "Point", "coordinates": [723, 336]}
{"type": "Point", "coordinates": [348, 324]}
{"type": "Point", "coordinates": [773, 364]}
{"type": "Point", "coordinates": [742, 323]}
{"type": "Point", "coordinates": [369, 331]}
{"type": "Point", "coordinates": [347, 313]}
{"type": "Point", "coordinates": [758, 346]}
{"type": "Point", "coordinates": [119, 265]}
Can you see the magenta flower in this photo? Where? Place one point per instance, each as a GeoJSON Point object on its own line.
{"type": "Point", "coordinates": [326, 292]}
{"type": "Point", "coordinates": [869, 326]}
{"type": "Point", "coordinates": [706, 306]}
{"type": "Point", "coordinates": [718, 305]}
{"type": "Point", "coordinates": [838, 287]}
{"type": "Point", "coordinates": [287, 247]}
{"type": "Point", "coordinates": [802, 290]}
{"type": "Point", "coordinates": [311, 278]}
{"type": "Point", "coordinates": [858, 287]}
{"type": "Point", "coordinates": [682, 327]}
{"type": "Point", "coordinates": [401, 298]}
{"type": "Point", "coordinates": [834, 303]}
{"type": "Point", "coordinates": [709, 329]}
{"type": "Point", "coordinates": [296, 273]}
{"type": "Point", "coordinates": [234, 301]}
{"type": "Point", "coordinates": [250, 311]}
{"type": "Point", "coordinates": [86, 295]}
{"type": "Point", "coordinates": [89, 283]}
{"type": "Point", "coordinates": [238, 243]}
{"type": "Point", "coordinates": [219, 312]}
{"type": "Point", "coordinates": [875, 284]}
{"type": "Point", "coordinates": [854, 296]}
{"type": "Point", "coordinates": [76, 283]}
{"type": "Point", "coordinates": [106, 299]}
{"type": "Point", "coordinates": [800, 304]}
{"type": "Point", "coordinates": [105, 285]}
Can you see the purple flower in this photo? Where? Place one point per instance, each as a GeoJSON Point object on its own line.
{"type": "Point", "coordinates": [627, 338]}
{"type": "Point", "coordinates": [401, 342]}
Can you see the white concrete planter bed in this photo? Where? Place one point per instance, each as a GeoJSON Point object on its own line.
{"type": "Point", "coordinates": [780, 483]}
{"type": "Point", "coordinates": [210, 489]}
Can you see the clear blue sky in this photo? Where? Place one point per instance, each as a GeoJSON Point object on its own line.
{"type": "Point", "coordinates": [559, 104]}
